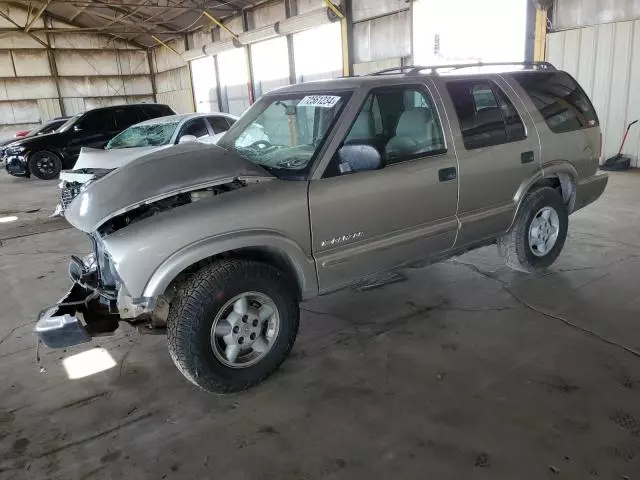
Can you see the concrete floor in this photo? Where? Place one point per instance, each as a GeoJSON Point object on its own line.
{"type": "Point", "coordinates": [463, 369]}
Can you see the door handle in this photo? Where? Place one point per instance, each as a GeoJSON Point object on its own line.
{"type": "Point", "coordinates": [447, 174]}
{"type": "Point", "coordinates": [527, 157]}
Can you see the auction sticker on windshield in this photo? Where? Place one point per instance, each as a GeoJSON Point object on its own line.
{"type": "Point", "coordinates": [324, 101]}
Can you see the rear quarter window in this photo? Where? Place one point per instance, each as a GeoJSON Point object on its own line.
{"type": "Point", "coordinates": [560, 100]}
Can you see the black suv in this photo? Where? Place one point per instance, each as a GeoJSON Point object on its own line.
{"type": "Point", "coordinates": [44, 156]}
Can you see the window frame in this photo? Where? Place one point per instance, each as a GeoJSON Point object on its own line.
{"type": "Point", "coordinates": [419, 87]}
{"type": "Point", "coordinates": [493, 85]}
{"type": "Point", "coordinates": [187, 124]}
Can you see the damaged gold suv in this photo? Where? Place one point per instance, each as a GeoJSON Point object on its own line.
{"type": "Point", "coordinates": [217, 245]}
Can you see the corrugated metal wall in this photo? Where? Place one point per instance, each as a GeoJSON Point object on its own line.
{"type": "Point", "coordinates": [381, 33]}
{"type": "Point", "coordinates": [580, 13]}
{"type": "Point", "coordinates": [172, 77]}
{"type": "Point", "coordinates": [92, 71]}
{"type": "Point", "coordinates": [605, 59]}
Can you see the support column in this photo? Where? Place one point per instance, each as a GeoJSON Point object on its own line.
{"type": "Point", "coordinates": [291, 10]}
{"type": "Point", "coordinates": [247, 25]}
{"type": "Point", "coordinates": [347, 39]}
{"type": "Point", "coordinates": [152, 75]}
{"type": "Point", "coordinates": [540, 45]}
{"type": "Point", "coordinates": [54, 69]}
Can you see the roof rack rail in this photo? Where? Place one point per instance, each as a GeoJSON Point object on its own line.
{"type": "Point", "coordinates": [396, 70]}
{"type": "Point", "coordinates": [434, 68]}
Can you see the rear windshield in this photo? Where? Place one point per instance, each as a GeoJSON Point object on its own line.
{"type": "Point", "coordinates": [561, 101]}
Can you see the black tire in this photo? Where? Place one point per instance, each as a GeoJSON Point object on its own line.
{"type": "Point", "coordinates": [515, 246]}
{"type": "Point", "coordinates": [45, 165]}
{"type": "Point", "coordinates": [194, 309]}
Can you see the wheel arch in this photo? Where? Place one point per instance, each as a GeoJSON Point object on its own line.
{"type": "Point", "coordinates": [558, 174]}
{"type": "Point", "coordinates": [268, 247]}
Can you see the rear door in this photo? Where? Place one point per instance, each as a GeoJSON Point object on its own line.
{"type": "Point", "coordinates": [93, 130]}
{"type": "Point", "coordinates": [370, 221]}
{"type": "Point", "coordinates": [567, 122]}
{"type": "Point", "coordinates": [123, 118]}
{"type": "Point", "coordinates": [498, 149]}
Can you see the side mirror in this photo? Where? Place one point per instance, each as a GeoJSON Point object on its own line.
{"type": "Point", "coordinates": [187, 139]}
{"type": "Point", "coordinates": [358, 158]}
{"type": "Point", "coordinates": [77, 128]}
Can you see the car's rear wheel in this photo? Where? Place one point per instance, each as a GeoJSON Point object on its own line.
{"type": "Point", "coordinates": [45, 165]}
{"type": "Point", "coordinates": [232, 324]}
{"type": "Point", "coordinates": [538, 234]}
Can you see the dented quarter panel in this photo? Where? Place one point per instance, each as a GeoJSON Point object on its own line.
{"type": "Point", "coordinates": [174, 170]}
{"type": "Point", "coordinates": [149, 254]}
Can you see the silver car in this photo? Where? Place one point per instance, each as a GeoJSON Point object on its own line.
{"type": "Point", "coordinates": [355, 176]}
{"type": "Point", "coordinates": [140, 139]}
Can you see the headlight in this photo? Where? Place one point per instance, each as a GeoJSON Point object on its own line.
{"type": "Point", "coordinates": [15, 150]}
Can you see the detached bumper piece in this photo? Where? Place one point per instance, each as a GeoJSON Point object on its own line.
{"type": "Point", "coordinates": [61, 327]}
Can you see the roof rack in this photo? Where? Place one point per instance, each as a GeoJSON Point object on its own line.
{"type": "Point", "coordinates": [396, 70]}
{"type": "Point", "coordinates": [417, 69]}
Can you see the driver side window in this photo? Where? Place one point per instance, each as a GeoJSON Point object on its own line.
{"type": "Point", "coordinates": [399, 124]}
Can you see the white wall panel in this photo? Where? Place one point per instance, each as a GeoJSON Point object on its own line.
{"type": "Point", "coordinates": [49, 108]}
{"type": "Point", "coordinates": [20, 40]}
{"type": "Point", "coordinates": [383, 37]}
{"type": "Point", "coordinates": [80, 41]}
{"type": "Point", "coordinates": [113, 86]}
{"type": "Point", "coordinates": [179, 100]}
{"type": "Point", "coordinates": [605, 59]}
{"type": "Point", "coordinates": [233, 24]}
{"type": "Point", "coordinates": [24, 111]}
{"type": "Point", "coordinates": [6, 64]}
{"type": "Point", "coordinates": [364, 9]}
{"type": "Point", "coordinates": [31, 63]}
{"type": "Point", "coordinates": [171, 80]}
{"type": "Point", "coordinates": [133, 62]}
{"type": "Point", "coordinates": [27, 88]}
{"type": "Point", "coordinates": [305, 6]}
{"type": "Point", "coordinates": [268, 14]}
{"type": "Point", "coordinates": [166, 59]}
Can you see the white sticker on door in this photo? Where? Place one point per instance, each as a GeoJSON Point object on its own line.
{"type": "Point", "coordinates": [323, 101]}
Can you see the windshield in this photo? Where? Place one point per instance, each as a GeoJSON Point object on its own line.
{"type": "Point", "coordinates": [69, 123]}
{"type": "Point", "coordinates": [284, 133]}
{"type": "Point", "coordinates": [144, 135]}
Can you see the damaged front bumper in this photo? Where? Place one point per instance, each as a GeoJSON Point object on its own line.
{"type": "Point", "coordinates": [94, 306]}
{"type": "Point", "coordinates": [59, 326]}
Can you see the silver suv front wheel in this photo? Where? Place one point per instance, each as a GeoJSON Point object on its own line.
{"type": "Point", "coordinates": [232, 324]}
{"type": "Point", "coordinates": [538, 233]}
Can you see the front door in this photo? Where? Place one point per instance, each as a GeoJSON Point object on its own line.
{"type": "Point", "coordinates": [498, 150]}
{"type": "Point", "coordinates": [363, 222]}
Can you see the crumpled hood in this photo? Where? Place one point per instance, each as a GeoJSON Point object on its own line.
{"type": "Point", "coordinates": [158, 175]}
{"type": "Point", "coordinates": [118, 157]}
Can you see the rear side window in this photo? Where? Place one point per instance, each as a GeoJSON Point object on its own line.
{"type": "Point", "coordinates": [195, 127]}
{"type": "Point", "coordinates": [486, 115]}
{"type": "Point", "coordinates": [561, 101]}
{"type": "Point", "coordinates": [125, 117]}
{"type": "Point", "coordinates": [96, 122]}
{"type": "Point", "coordinates": [218, 124]}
